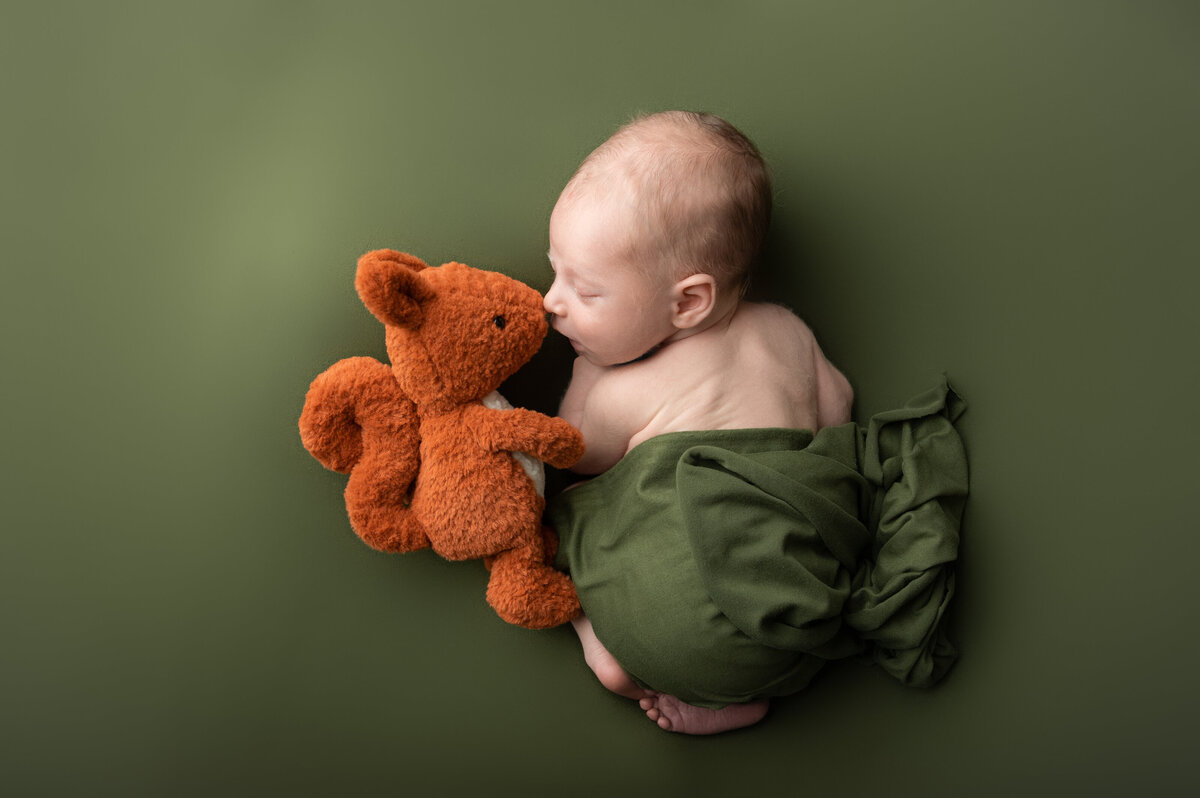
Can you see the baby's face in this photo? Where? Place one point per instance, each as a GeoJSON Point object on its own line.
{"type": "Point", "coordinates": [611, 311]}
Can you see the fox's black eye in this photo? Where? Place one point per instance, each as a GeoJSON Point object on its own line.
{"type": "Point", "coordinates": [500, 322]}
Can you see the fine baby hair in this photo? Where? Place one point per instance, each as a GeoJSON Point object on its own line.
{"type": "Point", "coordinates": [701, 193]}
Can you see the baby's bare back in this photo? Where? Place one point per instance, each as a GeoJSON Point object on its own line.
{"type": "Point", "coordinates": [761, 368]}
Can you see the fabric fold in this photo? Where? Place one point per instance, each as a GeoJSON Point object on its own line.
{"type": "Point", "coordinates": [783, 566]}
{"type": "Point", "coordinates": [915, 461]}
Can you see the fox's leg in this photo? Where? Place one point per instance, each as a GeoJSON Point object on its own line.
{"type": "Point", "coordinates": [526, 591]}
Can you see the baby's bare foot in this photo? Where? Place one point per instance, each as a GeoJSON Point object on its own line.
{"type": "Point", "coordinates": [674, 715]}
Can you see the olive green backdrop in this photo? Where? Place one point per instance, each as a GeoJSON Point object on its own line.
{"type": "Point", "coordinates": [1003, 191]}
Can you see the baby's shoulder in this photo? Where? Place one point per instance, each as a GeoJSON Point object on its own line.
{"type": "Point", "coordinates": [772, 326]}
{"type": "Point", "coordinates": [607, 390]}
{"type": "Point", "coordinates": [769, 314]}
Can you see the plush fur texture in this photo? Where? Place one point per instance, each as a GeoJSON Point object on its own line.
{"type": "Point", "coordinates": [429, 465]}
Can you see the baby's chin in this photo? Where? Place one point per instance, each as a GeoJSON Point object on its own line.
{"type": "Point", "coordinates": [599, 359]}
{"type": "Point", "coordinates": [583, 353]}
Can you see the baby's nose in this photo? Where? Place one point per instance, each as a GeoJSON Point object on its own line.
{"type": "Point", "coordinates": [550, 302]}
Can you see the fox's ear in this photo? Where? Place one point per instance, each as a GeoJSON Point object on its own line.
{"type": "Point", "coordinates": [389, 284]}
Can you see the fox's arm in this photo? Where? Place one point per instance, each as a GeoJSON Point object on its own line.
{"type": "Point", "coordinates": [549, 439]}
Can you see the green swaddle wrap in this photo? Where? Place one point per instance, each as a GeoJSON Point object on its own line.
{"type": "Point", "coordinates": [726, 566]}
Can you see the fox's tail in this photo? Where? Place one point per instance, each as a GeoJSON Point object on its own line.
{"type": "Point", "coordinates": [357, 420]}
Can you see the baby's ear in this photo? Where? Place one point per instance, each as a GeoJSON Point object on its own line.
{"type": "Point", "coordinates": [693, 299]}
{"type": "Point", "coordinates": [389, 285]}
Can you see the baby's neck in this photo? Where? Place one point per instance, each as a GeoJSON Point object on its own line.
{"type": "Point", "coordinates": [715, 322]}
{"type": "Point", "coordinates": [644, 356]}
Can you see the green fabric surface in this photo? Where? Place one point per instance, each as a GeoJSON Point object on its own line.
{"type": "Point", "coordinates": [726, 566]}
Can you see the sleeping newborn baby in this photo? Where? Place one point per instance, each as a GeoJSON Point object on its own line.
{"type": "Point", "coordinates": [739, 530]}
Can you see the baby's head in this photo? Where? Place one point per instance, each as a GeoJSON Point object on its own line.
{"type": "Point", "coordinates": [671, 199]}
{"type": "Point", "coordinates": [695, 191]}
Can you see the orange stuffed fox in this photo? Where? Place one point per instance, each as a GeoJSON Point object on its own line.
{"type": "Point", "coordinates": [432, 462]}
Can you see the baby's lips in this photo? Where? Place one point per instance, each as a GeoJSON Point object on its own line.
{"type": "Point", "coordinates": [554, 326]}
